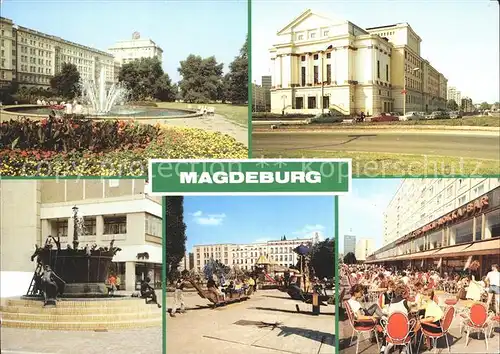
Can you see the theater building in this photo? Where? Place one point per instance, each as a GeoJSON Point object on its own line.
{"type": "Point", "coordinates": [450, 241]}
{"type": "Point", "coordinates": [111, 209]}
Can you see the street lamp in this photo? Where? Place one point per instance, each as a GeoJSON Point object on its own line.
{"type": "Point", "coordinates": [323, 79]}
{"type": "Point", "coordinates": [404, 89]}
{"type": "Point", "coordinates": [283, 100]}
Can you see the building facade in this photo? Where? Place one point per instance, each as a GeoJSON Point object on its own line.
{"type": "Point", "coordinates": [419, 201]}
{"type": "Point", "coordinates": [467, 105]}
{"type": "Point", "coordinates": [245, 256]}
{"type": "Point", "coordinates": [349, 244]}
{"type": "Point", "coordinates": [465, 228]}
{"type": "Point", "coordinates": [364, 248]}
{"type": "Point", "coordinates": [32, 58]}
{"type": "Point", "coordinates": [455, 95]}
{"type": "Point", "coordinates": [112, 210]}
{"type": "Point", "coordinates": [323, 64]}
{"type": "Point", "coordinates": [129, 50]}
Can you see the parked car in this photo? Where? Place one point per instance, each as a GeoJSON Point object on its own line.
{"type": "Point", "coordinates": [412, 116]}
{"type": "Point", "coordinates": [439, 115]}
{"type": "Point", "coordinates": [385, 117]}
{"type": "Point", "coordinates": [454, 115]}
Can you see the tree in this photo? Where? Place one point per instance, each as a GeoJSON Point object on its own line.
{"type": "Point", "coordinates": [238, 77]}
{"type": "Point", "coordinates": [67, 82]}
{"type": "Point", "coordinates": [144, 79]}
{"type": "Point", "coordinates": [350, 258]}
{"type": "Point", "coordinates": [452, 105]}
{"type": "Point", "coordinates": [201, 79]}
{"type": "Point", "coordinates": [323, 259]}
{"type": "Point", "coordinates": [176, 235]}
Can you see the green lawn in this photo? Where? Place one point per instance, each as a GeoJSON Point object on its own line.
{"type": "Point", "coordinates": [366, 164]}
{"type": "Point", "coordinates": [235, 113]}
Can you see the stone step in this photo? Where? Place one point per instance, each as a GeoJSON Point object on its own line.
{"type": "Point", "coordinates": [94, 317]}
{"type": "Point", "coordinates": [83, 326]}
{"type": "Point", "coordinates": [136, 308]}
{"type": "Point", "coordinates": [74, 303]}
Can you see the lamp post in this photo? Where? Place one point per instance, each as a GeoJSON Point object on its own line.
{"type": "Point", "coordinates": [404, 89]}
{"type": "Point", "coordinates": [322, 83]}
{"type": "Point", "coordinates": [283, 98]}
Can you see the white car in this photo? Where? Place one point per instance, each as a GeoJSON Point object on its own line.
{"type": "Point", "coordinates": [412, 116]}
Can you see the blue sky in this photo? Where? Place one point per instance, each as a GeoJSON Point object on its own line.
{"type": "Point", "coordinates": [237, 219]}
{"type": "Point", "coordinates": [178, 27]}
{"type": "Point", "coordinates": [459, 37]}
{"type": "Point", "coordinates": [362, 212]}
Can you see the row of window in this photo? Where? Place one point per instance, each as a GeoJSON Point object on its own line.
{"type": "Point", "coordinates": [311, 35]}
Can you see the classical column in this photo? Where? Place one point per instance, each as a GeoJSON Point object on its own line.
{"type": "Point", "coordinates": [277, 71]}
{"type": "Point", "coordinates": [99, 229]}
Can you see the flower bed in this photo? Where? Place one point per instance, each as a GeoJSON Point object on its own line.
{"type": "Point", "coordinates": [106, 157]}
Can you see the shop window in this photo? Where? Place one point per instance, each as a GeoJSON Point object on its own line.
{"type": "Point", "coordinates": [492, 228]}
{"type": "Point", "coordinates": [463, 232]}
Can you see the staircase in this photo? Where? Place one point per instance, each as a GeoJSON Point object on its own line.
{"type": "Point", "coordinates": [80, 315]}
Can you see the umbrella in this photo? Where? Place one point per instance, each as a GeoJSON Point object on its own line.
{"type": "Point", "coordinates": [302, 250]}
{"type": "Point", "coordinates": [262, 260]}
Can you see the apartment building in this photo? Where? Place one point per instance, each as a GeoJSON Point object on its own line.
{"type": "Point", "coordinates": [320, 63]}
{"type": "Point", "coordinates": [245, 256]}
{"type": "Point", "coordinates": [454, 94]}
{"type": "Point", "coordinates": [419, 201]}
{"type": "Point", "coordinates": [116, 210]}
{"type": "Point", "coordinates": [349, 244]}
{"type": "Point", "coordinates": [127, 51]}
{"type": "Point", "coordinates": [32, 58]}
{"type": "Point", "coordinates": [364, 248]}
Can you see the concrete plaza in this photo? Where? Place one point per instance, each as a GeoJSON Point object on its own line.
{"type": "Point", "coordinates": [455, 339]}
{"type": "Point", "coordinates": [266, 323]}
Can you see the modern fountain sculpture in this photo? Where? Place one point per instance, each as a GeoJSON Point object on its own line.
{"type": "Point", "coordinates": [100, 101]}
{"type": "Point", "coordinates": [81, 272]}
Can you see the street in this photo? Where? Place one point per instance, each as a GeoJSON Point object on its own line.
{"type": "Point", "coordinates": [467, 145]}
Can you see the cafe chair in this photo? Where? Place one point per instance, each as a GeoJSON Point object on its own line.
{"type": "Point", "coordinates": [495, 319]}
{"type": "Point", "coordinates": [399, 330]}
{"type": "Point", "coordinates": [360, 327]}
{"type": "Point", "coordinates": [441, 330]}
{"type": "Point", "coordinates": [477, 321]}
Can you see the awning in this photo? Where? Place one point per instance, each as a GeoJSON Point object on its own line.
{"type": "Point", "coordinates": [452, 251]}
{"type": "Point", "coordinates": [482, 248]}
{"type": "Point", "coordinates": [421, 255]}
{"type": "Point", "coordinates": [129, 254]}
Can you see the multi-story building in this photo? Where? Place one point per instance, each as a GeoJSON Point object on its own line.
{"type": "Point", "coordinates": [442, 223]}
{"type": "Point", "coordinates": [7, 52]}
{"type": "Point", "coordinates": [432, 198]}
{"type": "Point", "coordinates": [258, 98]}
{"type": "Point", "coordinates": [454, 94]}
{"type": "Point", "coordinates": [135, 48]}
{"type": "Point", "coordinates": [321, 63]}
{"type": "Point", "coordinates": [35, 57]}
{"type": "Point", "coordinates": [467, 105]}
{"type": "Point", "coordinates": [245, 256]}
{"type": "Point", "coordinates": [112, 210]}
{"type": "Point", "coordinates": [349, 244]}
{"type": "Point", "coordinates": [364, 248]}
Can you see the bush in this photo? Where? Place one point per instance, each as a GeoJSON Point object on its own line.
{"type": "Point", "coordinates": [172, 143]}
{"type": "Point", "coordinates": [75, 133]}
{"type": "Point", "coordinates": [326, 119]}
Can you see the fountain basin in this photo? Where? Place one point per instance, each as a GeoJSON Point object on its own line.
{"type": "Point", "coordinates": [142, 113]}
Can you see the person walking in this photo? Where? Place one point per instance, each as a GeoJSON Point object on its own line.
{"type": "Point", "coordinates": [493, 283]}
{"type": "Point", "coordinates": [178, 298]}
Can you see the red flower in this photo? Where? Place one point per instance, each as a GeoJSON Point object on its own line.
{"type": "Point", "coordinates": [24, 153]}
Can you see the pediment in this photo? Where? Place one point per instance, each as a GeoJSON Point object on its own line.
{"type": "Point", "coordinates": [309, 20]}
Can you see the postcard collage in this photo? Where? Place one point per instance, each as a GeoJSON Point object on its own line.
{"type": "Point", "coordinates": [249, 176]}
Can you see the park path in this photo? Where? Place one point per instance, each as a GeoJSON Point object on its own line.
{"type": "Point", "coordinates": [216, 123]}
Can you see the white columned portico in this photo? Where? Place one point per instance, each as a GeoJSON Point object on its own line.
{"type": "Point", "coordinates": [277, 71]}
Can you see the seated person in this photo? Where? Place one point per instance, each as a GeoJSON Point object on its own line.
{"type": "Point", "coordinates": [398, 302]}
{"type": "Point", "coordinates": [147, 291]}
{"type": "Point", "coordinates": [371, 314]}
{"type": "Point", "coordinates": [432, 313]}
{"type": "Point", "coordinates": [212, 287]}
